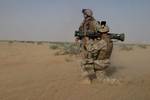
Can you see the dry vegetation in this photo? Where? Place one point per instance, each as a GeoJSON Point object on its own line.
{"type": "Point", "coordinates": [65, 49]}
{"type": "Point", "coordinates": [143, 46]}
{"type": "Point", "coordinates": [125, 47]}
{"type": "Point", "coordinates": [31, 71]}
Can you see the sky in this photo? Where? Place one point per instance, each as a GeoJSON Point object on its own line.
{"type": "Point", "coordinates": [56, 20]}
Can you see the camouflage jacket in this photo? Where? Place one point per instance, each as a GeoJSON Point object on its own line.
{"type": "Point", "coordinates": [89, 25]}
{"type": "Point", "coordinates": [97, 49]}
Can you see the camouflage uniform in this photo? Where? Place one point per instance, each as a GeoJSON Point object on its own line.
{"type": "Point", "coordinates": [96, 60]}
{"type": "Point", "coordinates": [104, 30]}
{"type": "Point", "coordinates": [88, 25]}
{"type": "Point", "coordinates": [95, 53]}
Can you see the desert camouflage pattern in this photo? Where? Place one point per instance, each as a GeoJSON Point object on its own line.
{"type": "Point", "coordinates": [103, 29]}
{"type": "Point", "coordinates": [95, 60]}
{"type": "Point", "coordinates": [109, 46]}
{"type": "Point", "coordinates": [88, 25]}
{"type": "Point", "coordinates": [95, 53]}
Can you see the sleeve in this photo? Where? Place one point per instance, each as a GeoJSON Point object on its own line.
{"type": "Point", "coordinates": [81, 27]}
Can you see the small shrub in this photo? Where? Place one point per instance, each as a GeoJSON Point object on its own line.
{"type": "Point", "coordinates": [54, 47]}
{"type": "Point", "coordinates": [56, 53]}
{"type": "Point", "coordinates": [68, 60]}
{"type": "Point", "coordinates": [30, 42]}
{"type": "Point", "coordinates": [126, 47]}
{"type": "Point", "coordinates": [22, 41]}
{"type": "Point", "coordinates": [39, 43]}
{"type": "Point", "coordinates": [71, 49]}
{"type": "Point", "coordinates": [60, 52]}
{"type": "Point", "coordinates": [143, 46]}
{"type": "Point", "coordinates": [11, 42]}
{"type": "Point", "coordinates": [66, 49]}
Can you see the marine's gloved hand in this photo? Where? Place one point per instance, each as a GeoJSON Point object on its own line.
{"type": "Point", "coordinates": [102, 64]}
{"type": "Point", "coordinates": [92, 51]}
{"type": "Point", "coordinates": [87, 61]}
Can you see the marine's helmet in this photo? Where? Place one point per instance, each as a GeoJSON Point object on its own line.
{"type": "Point", "coordinates": [87, 12]}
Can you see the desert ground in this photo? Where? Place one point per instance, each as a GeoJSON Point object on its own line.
{"type": "Point", "coordinates": [40, 71]}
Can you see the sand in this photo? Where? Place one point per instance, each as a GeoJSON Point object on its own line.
{"type": "Point", "coordinates": [33, 72]}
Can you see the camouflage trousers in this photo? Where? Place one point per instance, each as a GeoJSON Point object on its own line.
{"type": "Point", "coordinates": [91, 68]}
{"type": "Point", "coordinates": [95, 61]}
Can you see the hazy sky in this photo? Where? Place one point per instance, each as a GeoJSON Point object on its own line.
{"type": "Point", "coordinates": [56, 20]}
